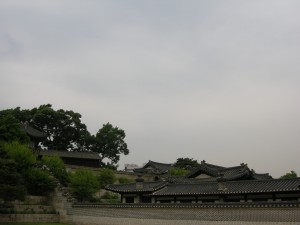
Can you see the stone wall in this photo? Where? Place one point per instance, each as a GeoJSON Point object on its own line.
{"type": "Point", "coordinates": [164, 215]}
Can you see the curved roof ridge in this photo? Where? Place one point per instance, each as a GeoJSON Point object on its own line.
{"type": "Point", "coordinates": [235, 167]}
{"type": "Point", "coordinates": [150, 161]}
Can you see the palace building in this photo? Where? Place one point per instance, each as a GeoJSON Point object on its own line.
{"type": "Point", "coordinates": [211, 184]}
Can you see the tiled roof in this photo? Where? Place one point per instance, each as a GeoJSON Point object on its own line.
{"type": "Point", "coordinates": [67, 154]}
{"type": "Point", "coordinates": [232, 187]}
{"type": "Point", "coordinates": [262, 176]}
{"type": "Point", "coordinates": [229, 173]}
{"type": "Point", "coordinates": [32, 131]}
{"type": "Point", "coordinates": [126, 188]}
{"type": "Point", "coordinates": [160, 167]}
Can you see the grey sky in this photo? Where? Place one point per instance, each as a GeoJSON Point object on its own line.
{"type": "Point", "coordinates": [212, 80]}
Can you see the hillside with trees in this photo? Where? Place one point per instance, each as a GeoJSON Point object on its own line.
{"type": "Point", "coordinates": [65, 132]}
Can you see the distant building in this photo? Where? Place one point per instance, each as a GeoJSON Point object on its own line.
{"type": "Point", "coordinates": [36, 136]}
{"type": "Point", "coordinates": [86, 159]}
{"type": "Point", "coordinates": [155, 168]}
{"type": "Point", "coordinates": [211, 184]}
{"type": "Point", "coordinates": [130, 167]}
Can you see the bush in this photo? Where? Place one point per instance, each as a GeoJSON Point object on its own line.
{"type": "Point", "coordinates": [106, 177]}
{"type": "Point", "coordinates": [178, 171]}
{"type": "Point", "coordinates": [21, 154]}
{"type": "Point", "coordinates": [11, 181]}
{"type": "Point", "coordinates": [125, 180]}
{"type": "Point", "coordinates": [39, 182]}
{"type": "Point", "coordinates": [12, 192]}
{"type": "Point", "coordinates": [109, 195]}
{"type": "Point", "coordinates": [289, 175]}
{"type": "Point", "coordinates": [84, 184]}
{"type": "Point", "coordinates": [57, 168]}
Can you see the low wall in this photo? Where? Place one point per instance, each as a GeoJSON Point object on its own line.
{"type": "Point", "coordinates": [184, 214]}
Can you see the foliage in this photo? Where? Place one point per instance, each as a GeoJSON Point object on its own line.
{"type": "Point", "coordinates": [64, 128]}
{"type": "Point", "coordinates": [84, 184]}
{"type": "Point", "coordinates": [10, 129]}
{"type": "Point", "coordinates": [39, 182]}
{"type": "Point", "coordinates": [125, 180]}
{"type": "Point", "coordinates": [178, 171]}
{"type": "Point", "coordinates": [106, 177]}
{"type": "Point", "coordinates": [109, 195]}
{"type": "Point", "coordinates": [11, 182]}
{"type": "Point", "coordinates": [57, 168]}
{"type": "Point", "coordinates": [21, 154]}
{"type": "Point", "coordinates": [109, 143]}
{"type": "Point", "coordinates": [65, 132]}
{"type": "Point", "coordinates": [186, 163]}
{"type": "Point", "coordinates": [289, 175]}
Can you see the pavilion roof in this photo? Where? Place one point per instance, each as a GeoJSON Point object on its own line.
{"type": "Point", "coordinates": [160, 167]}
{"type": "Point", "coordinates": [232, 187]}
{"type": "Point", "coordinates": [32, 131]}
{"type": "Point", "coordinates": [131, 187]}
{"type": "Point", "coordinates": [228, 173]}
{"type": "Point", "coordinates": [68, 154]}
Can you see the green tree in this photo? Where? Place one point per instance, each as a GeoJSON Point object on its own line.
{"type": "Point", "coordinates": [110, 144]}
{"type": "Point", "coordinates": [57, 168]}
{"type": "Point", "coordinates": [65, 132]}
{"type": "Point", "coordinates": [178, 171]}
{"type": "Point", "coordinates": [289, 175]}
{"type": "Point", "coordinates": [106, 177]}
{"type": "Point", "coordinates": [64, 128]}
{"type": "Point", "coordinates": [84, 184]}
{"type": "Point", "coordinates": [10, 129]}
{"type": "Point", "coordinates": [186, 163]}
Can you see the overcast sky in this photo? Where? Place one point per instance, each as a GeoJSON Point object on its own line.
{"type": "Point", "coordinates": [211, 80]}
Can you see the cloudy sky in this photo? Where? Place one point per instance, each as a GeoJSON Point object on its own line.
{"type": "Point", "coordinates": [211, 80]}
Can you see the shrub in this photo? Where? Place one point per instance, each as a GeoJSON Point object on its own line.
{"type": "Point", "coordinates": [178, 171]}
{"type": "Point", "coordinates": [109, 195]}
{"type": "Point", "coordinates": [84, 184]}
{"type": "Point", "coordinates": [39, 182]}
{"type": "Point", "coordinates": [106, 177]}
{"type": "Point", "coordinates": [57, 168]}
{"type": "Point", "coordinates": [125, 180]}
{"type": "Point", "coordinates": [21, 154]}
{"type": "Point", "coordinates": [11, 181]}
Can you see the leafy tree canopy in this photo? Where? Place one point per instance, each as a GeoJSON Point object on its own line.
{"type": "Point", "coordinates": [10, 129]}
{"type": "Point", "coordinates": [109, 143]}
{"type": "Point", "coordinates": [65, 132]}
{"type": "Point", "coordinates": [64, 128]}
{"type": "Point", "coordinates": [289, 175]}
{"type": "Point", "coordinates": [186, 163]}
